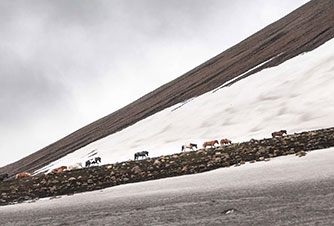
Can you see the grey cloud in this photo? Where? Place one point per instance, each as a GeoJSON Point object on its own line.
{"type": "Point", "coordinates": [25, 91]}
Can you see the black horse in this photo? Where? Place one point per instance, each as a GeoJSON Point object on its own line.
{"type": "Point", "coordinates": [3, 176]}
{"type": "Point", "coordinates": [96, 160]}
{"type": "Point", "coordinates": [142, 154]}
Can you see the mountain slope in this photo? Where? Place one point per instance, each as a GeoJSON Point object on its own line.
{"type": "Point", "coordinates": [296, 95]}
{"type": "Point", "coordinates": [303, 30]}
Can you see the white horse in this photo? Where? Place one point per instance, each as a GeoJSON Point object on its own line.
{"type": "Point", "coordinates": [75, 166]}
{"type": "Point", "coordinates": [190, 146]}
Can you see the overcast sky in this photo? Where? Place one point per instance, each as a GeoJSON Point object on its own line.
{"type": "Point", "coordinates": [67, 63]}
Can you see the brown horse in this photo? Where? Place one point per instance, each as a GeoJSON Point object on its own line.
{"type": "Point", "coordinates": [22, 175]}
{"type": "Point", "coordinates": [278, 133]}
{"type": "Point", "coordinates": [225, 141]}
{"type": "Point", "coordinates": [210, 143]}
{"type": "Point", "coordinates": [59, 169]}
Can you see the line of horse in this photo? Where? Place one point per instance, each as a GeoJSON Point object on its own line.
{"type": "Point", "coordinates": [206, 144]}
{"type": "Point", "coordinates": [137, 155]}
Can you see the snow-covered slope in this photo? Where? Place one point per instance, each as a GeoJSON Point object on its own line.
{"type": "Point", "coordinates": [296, 95]}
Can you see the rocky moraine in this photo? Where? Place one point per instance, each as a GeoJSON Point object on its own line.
{"type": "Point", "coordinates": [98, 177]}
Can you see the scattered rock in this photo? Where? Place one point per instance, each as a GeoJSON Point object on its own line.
{"type": "Point", "coordinates": [218, 159]}
{"type": "Point", "coordinates": [125, 179]}
{"type": "Point", "coordinates": [90, 181]}
{"type": "Point", "coordinates": [136, 170]}
{"type": "Point", "coordinates": [301, 153]}
{"type": "Point", "coordinates": [200, 152]}
{"type": "Point", "coordinates": [53, 188]}
{"type": "Point", "coordinates": [157, 163]}
{"type": "Point", "coordinates": [71, 179]}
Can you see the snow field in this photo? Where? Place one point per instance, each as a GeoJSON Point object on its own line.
{"type": "Point", "coordinates": [297, 95]}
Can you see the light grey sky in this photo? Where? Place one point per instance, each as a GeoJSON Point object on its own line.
{"type": "Point", "coordinates": [65, 64]}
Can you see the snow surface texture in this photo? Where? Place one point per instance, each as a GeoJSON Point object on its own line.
{"type": "Point", "coordinates": [315, 166]}
{"type": "Point", "coordinates": [297, 95]}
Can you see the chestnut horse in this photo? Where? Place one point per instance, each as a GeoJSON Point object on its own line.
{"type": "Point", "coordinates": [210, 143]}
{"type": "Point", "coordinates": [225, 141]}
{"type": "Point", "coordinates": [59, 169]}
{"type": "Point", "coordinates": [190, 146]}
{"type": "Point", "coordinates": [22, 175]}
{"type": "Point", "coordinates": [278, 133]}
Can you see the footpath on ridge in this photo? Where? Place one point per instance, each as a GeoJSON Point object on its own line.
{"type": "Point", "coordinates": [98, 177]}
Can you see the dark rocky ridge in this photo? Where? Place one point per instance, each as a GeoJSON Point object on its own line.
{"type": "Point", "coordinates": [302, 30]}
{"type": "Point", "coordinates": [93, 178]}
